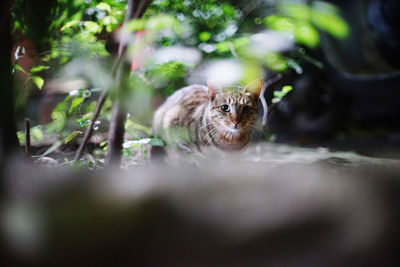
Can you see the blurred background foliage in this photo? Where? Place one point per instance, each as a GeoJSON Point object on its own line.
{"type": "Point", "coordinates": [62, 61]}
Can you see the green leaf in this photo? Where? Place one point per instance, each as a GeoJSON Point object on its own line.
{"type": "Point", "coordinates": [325, 17]}
{"type": "Point", "coordinates": [278, 95]}
{"type": "Point", "coordinates": [286, 89]}
{"type": "Point", "coordinates": [240, 42]}
{"type": "Point", "coordinates": [70, 24]}
{"type": "Point", "coordinates": [164, 3]}
{"type": "Point", "coordinates": [136, 25]}
{"type": "Point", "coordinates": [105, 7]}
{"type": "Point", "coordinates": [275, 61]}
{"type": "Point", "coordinates": [75, 103]}
{"type": "Point", "coordinates": [104, 143]}
{"type": "Point", "coordinates": [276, 100]}
{"type": "Point", "coordinates": [92, 26]}
{"type": "Point", "coordinates": [51, 149]}
{"type": "Point", "coordinates": [71, 136]}
{"type": "Point", "coordinates": [38, 81]}
{"type": "Point", "coordinates": [21, 137]}
{"type": "Point", "coordinates": [110, 20]}
{"type": "Point", "coordinates": [306, 34]}
{"type": "Point", "coordinates": [299, 11]}
{"type": "Point", "coordinates": [39, 68]}
{"type": "Point", "coordinates": [37, 133]}
{"type": "Point", "coordinates": [204, 36]}
{"type": "Point", "coordinates": [223, 46]}
{"type": "Point", "coordinates": [18, 67]}
{"type": "Point", "coordinates": [280, 23]}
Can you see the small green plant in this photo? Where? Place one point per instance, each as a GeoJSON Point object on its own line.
{"type": "Point", "coordinates": [278, 95]}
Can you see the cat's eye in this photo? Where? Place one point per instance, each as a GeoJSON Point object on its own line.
{"type": "Point", "coordinates": [225, 108]}
{"type": "Point", "coordinates": [246, 109]}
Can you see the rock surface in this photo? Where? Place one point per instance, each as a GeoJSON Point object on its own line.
{"type": "Point", "coordinates": [273, 206]}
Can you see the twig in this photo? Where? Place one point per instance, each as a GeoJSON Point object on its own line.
{"type": "Point", "coordinates": [27, 137]}
{"type": "Point", "coordinates": [89, 130]}
{"type": "Point", "coordinates": [96, 114]}
{"type": "Point", "coordinates": [267, 84]}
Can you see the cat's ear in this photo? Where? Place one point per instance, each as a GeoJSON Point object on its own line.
{"type": "Point", "coordinates": [211, 90]}
{"type": "Point", "coordinates": [254, 87]}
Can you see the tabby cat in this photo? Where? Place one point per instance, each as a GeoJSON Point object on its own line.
{"type": "Point", "coordinates": [198, 116]}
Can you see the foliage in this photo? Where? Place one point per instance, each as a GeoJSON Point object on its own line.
{"type": "Point", "coordinates": [205, 23]}
{"type": "Point", "coordinates": [301, 21]}
{"type": "Point", "coordinates": [77, 39]}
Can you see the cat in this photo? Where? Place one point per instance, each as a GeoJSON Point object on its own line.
{"type": "Point", "coordinates": [199, 116]}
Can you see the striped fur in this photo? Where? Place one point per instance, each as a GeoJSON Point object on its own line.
{"type": "Point", "coordinates": [194, 117]}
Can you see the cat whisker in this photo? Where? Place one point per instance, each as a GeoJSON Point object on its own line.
{"type": "Point", "coordinates": [212, 137]}
{"type": "Point", "coordinates": [204, 126]}
{"type": "Point", "coordinates": [213, 132]}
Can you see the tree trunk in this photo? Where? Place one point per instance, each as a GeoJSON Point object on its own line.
{"type": "Point", "coordinates": [8, 137]}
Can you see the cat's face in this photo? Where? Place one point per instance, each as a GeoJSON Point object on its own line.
{"type": "Point", "coordinates": [233, 112]}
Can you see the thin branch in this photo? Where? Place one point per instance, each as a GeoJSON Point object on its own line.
{"type": "Point", "coordinates": [99, 106]}
{"type": "Point", "coordinates": [89, 130]}
{"type": "Point", "coordinates": [266, 85]}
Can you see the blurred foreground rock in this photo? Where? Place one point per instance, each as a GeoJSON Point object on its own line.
{"type": "Point", "coordinates": [276, 206]}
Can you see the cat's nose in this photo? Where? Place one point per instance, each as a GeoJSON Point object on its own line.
{"type": "Point", "coordinates": [235, 123]}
